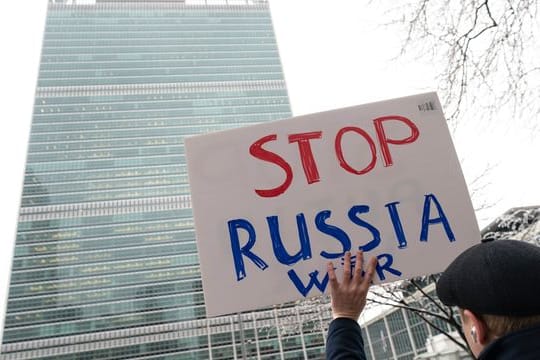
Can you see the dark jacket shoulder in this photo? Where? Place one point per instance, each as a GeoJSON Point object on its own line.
{"type": "Point", "coordinates": [522, 345]}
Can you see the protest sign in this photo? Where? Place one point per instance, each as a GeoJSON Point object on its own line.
{"type": "Point", "coordinates": [273, 203]}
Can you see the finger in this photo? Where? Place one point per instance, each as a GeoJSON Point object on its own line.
{"type": "Point", "coordinates": [331, 275]}
{"type": "Point", "coordinates": [359, 265]}
{"type": "Point", "coordinates": [347, 267]}
{"type": "Point", "coordinates": [370, 272]}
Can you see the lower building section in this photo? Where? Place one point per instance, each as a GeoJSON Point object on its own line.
{"type": "Point", "coordinates": [293, 332]}
{"type": "Point", "coordinates": [402, 334]}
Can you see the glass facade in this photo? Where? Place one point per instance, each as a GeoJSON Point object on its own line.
{"type": "Point", "coordinates": [401, 334]}
{"type": "Point", "coordinates": [105, 262]}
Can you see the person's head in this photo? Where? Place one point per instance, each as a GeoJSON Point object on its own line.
{"type": "Point", "coordinates": [494, 284]}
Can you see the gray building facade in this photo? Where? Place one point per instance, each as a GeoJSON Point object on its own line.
{"type": "Point", "coordinates": [105, 263]}
{"type": "Point", "coordinates": [401, 334]}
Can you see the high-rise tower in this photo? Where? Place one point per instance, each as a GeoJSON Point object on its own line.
{"type": "Point", "coordinates": [105, 261]}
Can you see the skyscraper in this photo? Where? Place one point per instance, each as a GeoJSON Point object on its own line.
{"type": "Point", "coordinates": [105, 262]}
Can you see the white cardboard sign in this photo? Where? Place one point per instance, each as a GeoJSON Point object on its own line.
{"type": "Point", "coordinates": [273, 203]}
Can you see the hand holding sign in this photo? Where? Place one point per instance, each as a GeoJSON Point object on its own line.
{"type": "Point", "coordinates": [382, 178]}
{"type": "Point", "coordinates": [349, 296]}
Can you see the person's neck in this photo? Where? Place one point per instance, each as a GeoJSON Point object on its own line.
{"type": "Point", "coordinates": [521, 344]}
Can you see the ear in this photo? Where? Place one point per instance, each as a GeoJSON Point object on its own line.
{"type": "Point", "coordinates": [479, 331]}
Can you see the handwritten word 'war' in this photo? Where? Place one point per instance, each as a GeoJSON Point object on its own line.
{"type": "Point", "coordinates": [323, 225]}
{"type": "Point", "coordinates": [308, 160]}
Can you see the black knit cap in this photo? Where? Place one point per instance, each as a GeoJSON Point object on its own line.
{"type": "Point", "coordinates": [500, 277]}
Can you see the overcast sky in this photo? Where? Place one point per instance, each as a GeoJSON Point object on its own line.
{"type": "Point", "coordinates": [334, 54]}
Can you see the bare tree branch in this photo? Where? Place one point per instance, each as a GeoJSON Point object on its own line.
{"type": "Point", "coordinates": [487, 50]}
